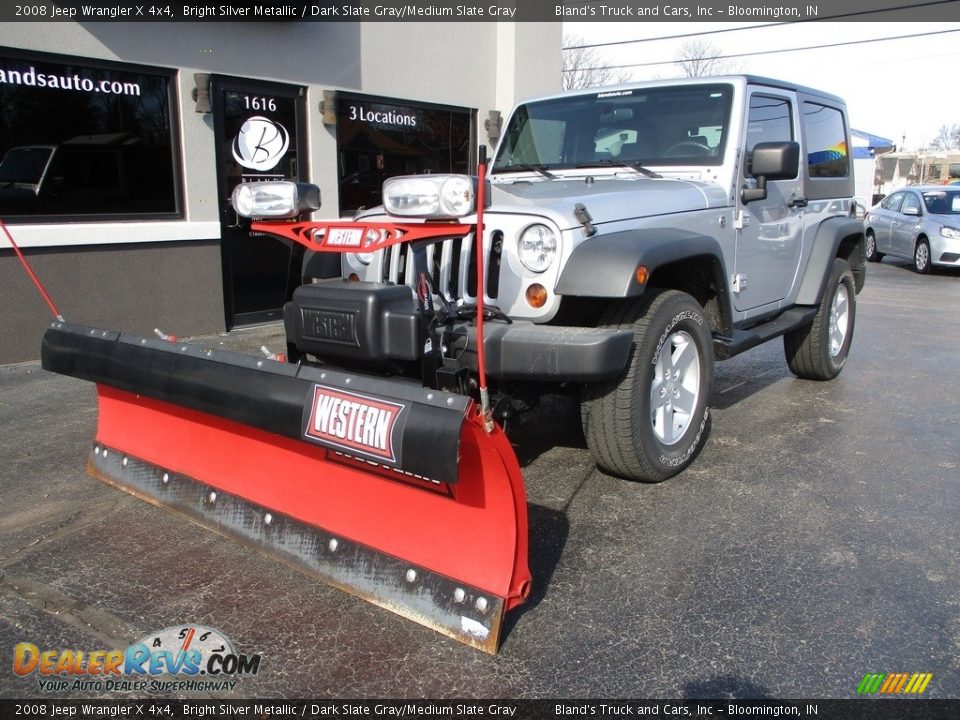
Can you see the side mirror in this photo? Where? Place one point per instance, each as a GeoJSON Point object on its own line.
{"type": "Point", "coordinates": [912, 211]}
{"type": "Point", "coordinates": [770, 161]}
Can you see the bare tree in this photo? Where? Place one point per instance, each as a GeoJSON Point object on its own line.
{"type": "Point", "coordinates": [699, 58]}
{"type": "Point", "coordinates": [947, 138]}
{"type": "Point", "coordinates": [584, 68]}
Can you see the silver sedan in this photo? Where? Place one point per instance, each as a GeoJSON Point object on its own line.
{"type": "Point", "coordinates": [920, 223]}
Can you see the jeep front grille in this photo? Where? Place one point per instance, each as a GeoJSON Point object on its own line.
{"type": "Point", "coordinates": [453, 266]}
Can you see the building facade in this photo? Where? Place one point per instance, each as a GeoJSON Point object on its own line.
{"type": "Point", "coordinates": [121, 144]}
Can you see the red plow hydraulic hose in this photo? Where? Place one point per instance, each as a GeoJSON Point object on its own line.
{"type": "Point", "coordinates": [32, 275]}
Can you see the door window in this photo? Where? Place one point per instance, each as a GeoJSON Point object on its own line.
{"type": "Point", "coordinates": [910, 202]}
{"type": "Point", "coordinates": [770, 120]}
{"type": "Point", "coordinates": [893, 202]}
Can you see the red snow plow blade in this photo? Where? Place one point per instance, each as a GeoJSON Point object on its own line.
{"type": "Point", "coordinates": [386, 489]}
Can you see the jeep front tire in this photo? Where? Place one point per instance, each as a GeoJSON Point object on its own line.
{"type": "Point", "coordinates": [651, 422]}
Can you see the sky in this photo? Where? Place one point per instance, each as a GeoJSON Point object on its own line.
{"type": "Point", "coordinates": [900, 89]}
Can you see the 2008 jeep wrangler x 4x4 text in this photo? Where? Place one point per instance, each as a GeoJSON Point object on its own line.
{"type": "Point", "coordinates": [632, 235]}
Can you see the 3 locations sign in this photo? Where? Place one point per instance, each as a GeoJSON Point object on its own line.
{"type": "Point", "coordinates": [385, 115]}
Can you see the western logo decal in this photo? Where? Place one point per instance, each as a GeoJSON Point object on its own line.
{"type": "Point", "coordinates": [356, 424]}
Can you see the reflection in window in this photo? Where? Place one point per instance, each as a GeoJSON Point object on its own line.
{"type": "Point", "coordinates": [769, 121]}
{"type": "Point", "coordinates": [84, 142]}
{"type": "Point", "coordinates": [826, 141]}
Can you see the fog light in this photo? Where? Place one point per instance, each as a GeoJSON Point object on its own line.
{"type": "Point", "coordinates": [536, 295]}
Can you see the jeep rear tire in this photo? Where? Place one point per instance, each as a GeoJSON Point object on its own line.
{"type": "Point", "coordinates": [818, 351]}
{"type": "Point", "coordinates": [650, 423]}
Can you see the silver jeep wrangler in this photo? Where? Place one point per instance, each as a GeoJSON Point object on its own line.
{"type": "Point", "coordinates": [635, 234]}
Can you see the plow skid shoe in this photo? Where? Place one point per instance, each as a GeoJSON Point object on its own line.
{"type": "Point", "coordinates": [390, 491]}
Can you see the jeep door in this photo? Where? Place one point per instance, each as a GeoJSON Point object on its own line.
{"type": "Point", "coordinates": [769, 231]}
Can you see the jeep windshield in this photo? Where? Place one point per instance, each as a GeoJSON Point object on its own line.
{"type": "Point", "coordinates": [679, 125]}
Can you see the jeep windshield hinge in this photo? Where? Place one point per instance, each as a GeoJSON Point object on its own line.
{"type": "Point", "coordinates": [581, 213]}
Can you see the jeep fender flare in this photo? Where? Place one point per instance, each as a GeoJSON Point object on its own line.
{"type": "Point", "coordinates": [836, 237]}
{"type": "Point", "coordinates": [605, 265]}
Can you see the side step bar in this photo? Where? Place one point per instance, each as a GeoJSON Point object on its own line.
{"type": "Point", "coordinates": [743, 340]}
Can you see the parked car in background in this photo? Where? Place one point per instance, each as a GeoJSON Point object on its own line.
{"type": "Point", "coordinates": [921, 223]}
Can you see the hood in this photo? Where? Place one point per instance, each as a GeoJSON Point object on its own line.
{"type": "Point", "coordinates": [607, 199]}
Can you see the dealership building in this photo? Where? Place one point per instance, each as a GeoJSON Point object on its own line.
{"type": "Point", "coordinates": [122, 142]}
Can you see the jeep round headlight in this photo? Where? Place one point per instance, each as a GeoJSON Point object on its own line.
{"type": "Point", "coordinates": [537, 247]}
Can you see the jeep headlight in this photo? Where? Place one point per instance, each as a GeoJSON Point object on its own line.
{"type": "Point", "coordinates": [537, 247]}
{"type": "Point", "coordinates": [274, 199]}
{"type": "Point", "coordinates": [430, 196]}
{"type": "Point", "coordinates": [949, 232]}
{"type": "Point", "coordinates": [372, 237]}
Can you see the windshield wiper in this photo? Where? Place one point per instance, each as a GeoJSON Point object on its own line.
{"type": "Point", "coordinates": [526, 167]}
{"type": "Point", "coordinates": [632, 164]}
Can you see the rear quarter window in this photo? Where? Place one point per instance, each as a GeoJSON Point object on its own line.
{"type": "Point", "coordinates": [826, 135]}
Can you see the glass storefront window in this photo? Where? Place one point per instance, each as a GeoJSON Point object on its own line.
{"type": "Point", "coordinates": [82, 140]}
{"type": "Point", "coordinates": [379, 138]}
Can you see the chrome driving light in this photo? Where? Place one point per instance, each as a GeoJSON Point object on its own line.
{"type": "Point", "coordinates": [537, 247]}
{"type": "Point", "coordinates": [274, 199]}
{"type": "Point", "coordinates": [430, 196]}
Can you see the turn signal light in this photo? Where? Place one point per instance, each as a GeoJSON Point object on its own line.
{"type": "Point", "coordinates": [641, 274]}
{"type": "Point", "coordinates": [353, 277]}
{"type": "Point", "coordinates": [536, 295]}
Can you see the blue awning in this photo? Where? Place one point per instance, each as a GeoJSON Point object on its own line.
{"type": "Point", "coordinates": [866, 145]}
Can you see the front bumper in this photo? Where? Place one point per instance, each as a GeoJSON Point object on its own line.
{"type": "Point", "coordinates": [547, 353]}
{"type": "Point", "coordinates": [945, 252]}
